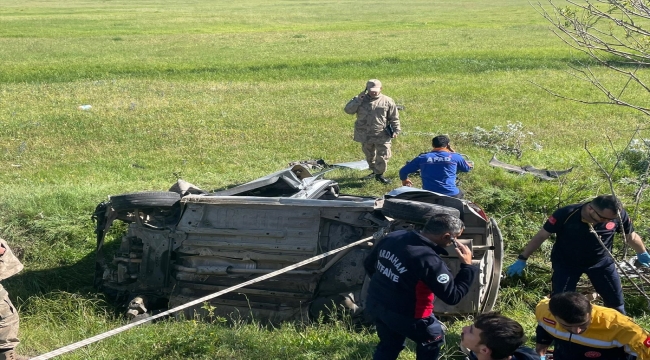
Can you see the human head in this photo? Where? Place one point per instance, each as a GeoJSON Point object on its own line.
{"type": "Point", "coordinates": [374, 87]}
{"type": "Point", "coordinates": [604, 208]}
{"type": "Point", "coordinates": [571, 310]}
{"type": "Point", "coordinates": [493, 336]}
{"type": "Point", "coordinates": [440, 141]}
{"type": "Point", "coordinates": [443, 228]}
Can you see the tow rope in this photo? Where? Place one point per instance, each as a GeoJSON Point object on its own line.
{"type": "Point", "coordinates": [88, 341]}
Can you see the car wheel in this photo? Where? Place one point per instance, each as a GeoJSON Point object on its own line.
{"type": "Point", "coordinates": [494, 278]}
{"type": "Point", "coordinates": [146, 199]}
{"type": "Point", "coordinates": [414, 211]}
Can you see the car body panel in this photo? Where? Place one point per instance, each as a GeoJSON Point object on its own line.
{"type": "Point", "coordinates": [208, 242]}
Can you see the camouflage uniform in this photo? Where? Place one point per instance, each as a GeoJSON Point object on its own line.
{"type": "Point", "coordinates": [372, 117]}
{"type": "Point", "coordinates": [9, 266]}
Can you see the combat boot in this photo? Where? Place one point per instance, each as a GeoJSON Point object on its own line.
{"type": "Point", "coordinates": [382, 179]}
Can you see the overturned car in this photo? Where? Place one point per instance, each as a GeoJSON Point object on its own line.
{"type": "Point", "coordinates": [184, 244]}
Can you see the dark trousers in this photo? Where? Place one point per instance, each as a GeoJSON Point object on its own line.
{"type": "Point", "coordinates": [605, 280]}
{"type": "Point", "coordinates": [393, 329]}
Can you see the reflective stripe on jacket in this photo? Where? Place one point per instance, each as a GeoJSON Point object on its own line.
{"type": "Point", "coordinates": [609, 336]}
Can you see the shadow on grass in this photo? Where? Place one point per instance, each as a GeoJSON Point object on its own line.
{"type": "Point", "coordinates": [352, 182]}
{"type": "Point", "coordinates": [74, 278]}
{"type": "Point", "coordinates": [252, 346]}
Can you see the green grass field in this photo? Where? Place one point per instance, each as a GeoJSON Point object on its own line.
{"type": "Point", "coordinates": [221, 92]}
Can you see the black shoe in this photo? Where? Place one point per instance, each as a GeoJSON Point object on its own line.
{"type": "Point", "coordinates": [369, 176]}
{"type": "Point", "coordinates": [382, 179]}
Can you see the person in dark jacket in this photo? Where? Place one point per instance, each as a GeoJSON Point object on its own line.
{"type": "Point", "coordinates": [406, 274]}
{"type": "Point", "coordinates": [493, 336]}
{"type": "Point", "coordinates": [584, 235]}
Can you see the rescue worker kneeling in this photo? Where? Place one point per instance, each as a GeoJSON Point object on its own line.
{"type": "Point", "coordinates": [406, 273]}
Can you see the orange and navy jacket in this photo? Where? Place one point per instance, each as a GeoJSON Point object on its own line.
{"type": "Point", "coordinates": [407, 271]}
{"type": "Point", "coordinates": [609, 336]}
{"type": "Point", "coordinates": [575, 245]}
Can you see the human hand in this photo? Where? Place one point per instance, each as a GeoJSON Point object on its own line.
{"type": "Point", "coordinates": [2, 250]}
{"type": "Point", "coordinates": [464, 254]}
{"type": "Point", "coordinates": [540, 349]}
{"type": "Point", "coordinates": [362, 95]}
{"type": "Point", "coordinates": [407, 182]}
{"type": "Point", "coordinates": [644, 259]}
{"type": "Point", "coordinates": [517, 268]}
{"type": "Point", "coordinates": [394, 135]}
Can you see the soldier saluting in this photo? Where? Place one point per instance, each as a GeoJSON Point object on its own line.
{"type": "Point", "coordinates": [377, 123]}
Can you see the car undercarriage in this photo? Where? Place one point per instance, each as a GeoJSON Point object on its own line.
{"type": "Point", "coordinates": [183, 244]}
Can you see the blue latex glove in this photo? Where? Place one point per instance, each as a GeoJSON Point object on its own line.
{"type": "Point", "coordinates": [518, 268]}
{"type": "Point", "coordinates": [644, 259]}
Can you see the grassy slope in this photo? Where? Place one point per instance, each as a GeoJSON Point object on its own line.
{"type": "Point", "coordinates": [222, 92]}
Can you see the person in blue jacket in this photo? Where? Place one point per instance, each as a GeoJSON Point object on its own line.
{"type": "Point", "coordinates": [406, 273]}
{"type": "Point", "coordinates": [438, 168]}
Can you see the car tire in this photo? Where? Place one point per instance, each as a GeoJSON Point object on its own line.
{"type": "Point", "coordinates": [148, 199]}
{"type": "Point", "coordinates": [414, 211]}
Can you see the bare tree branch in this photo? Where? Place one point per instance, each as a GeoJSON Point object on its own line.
{"type": "Point", "coordinates": [608, 176]}
{"type": "Point", "coordinates": [643, 110]}
{"type": "Point", "coordinates": [611, 33]}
